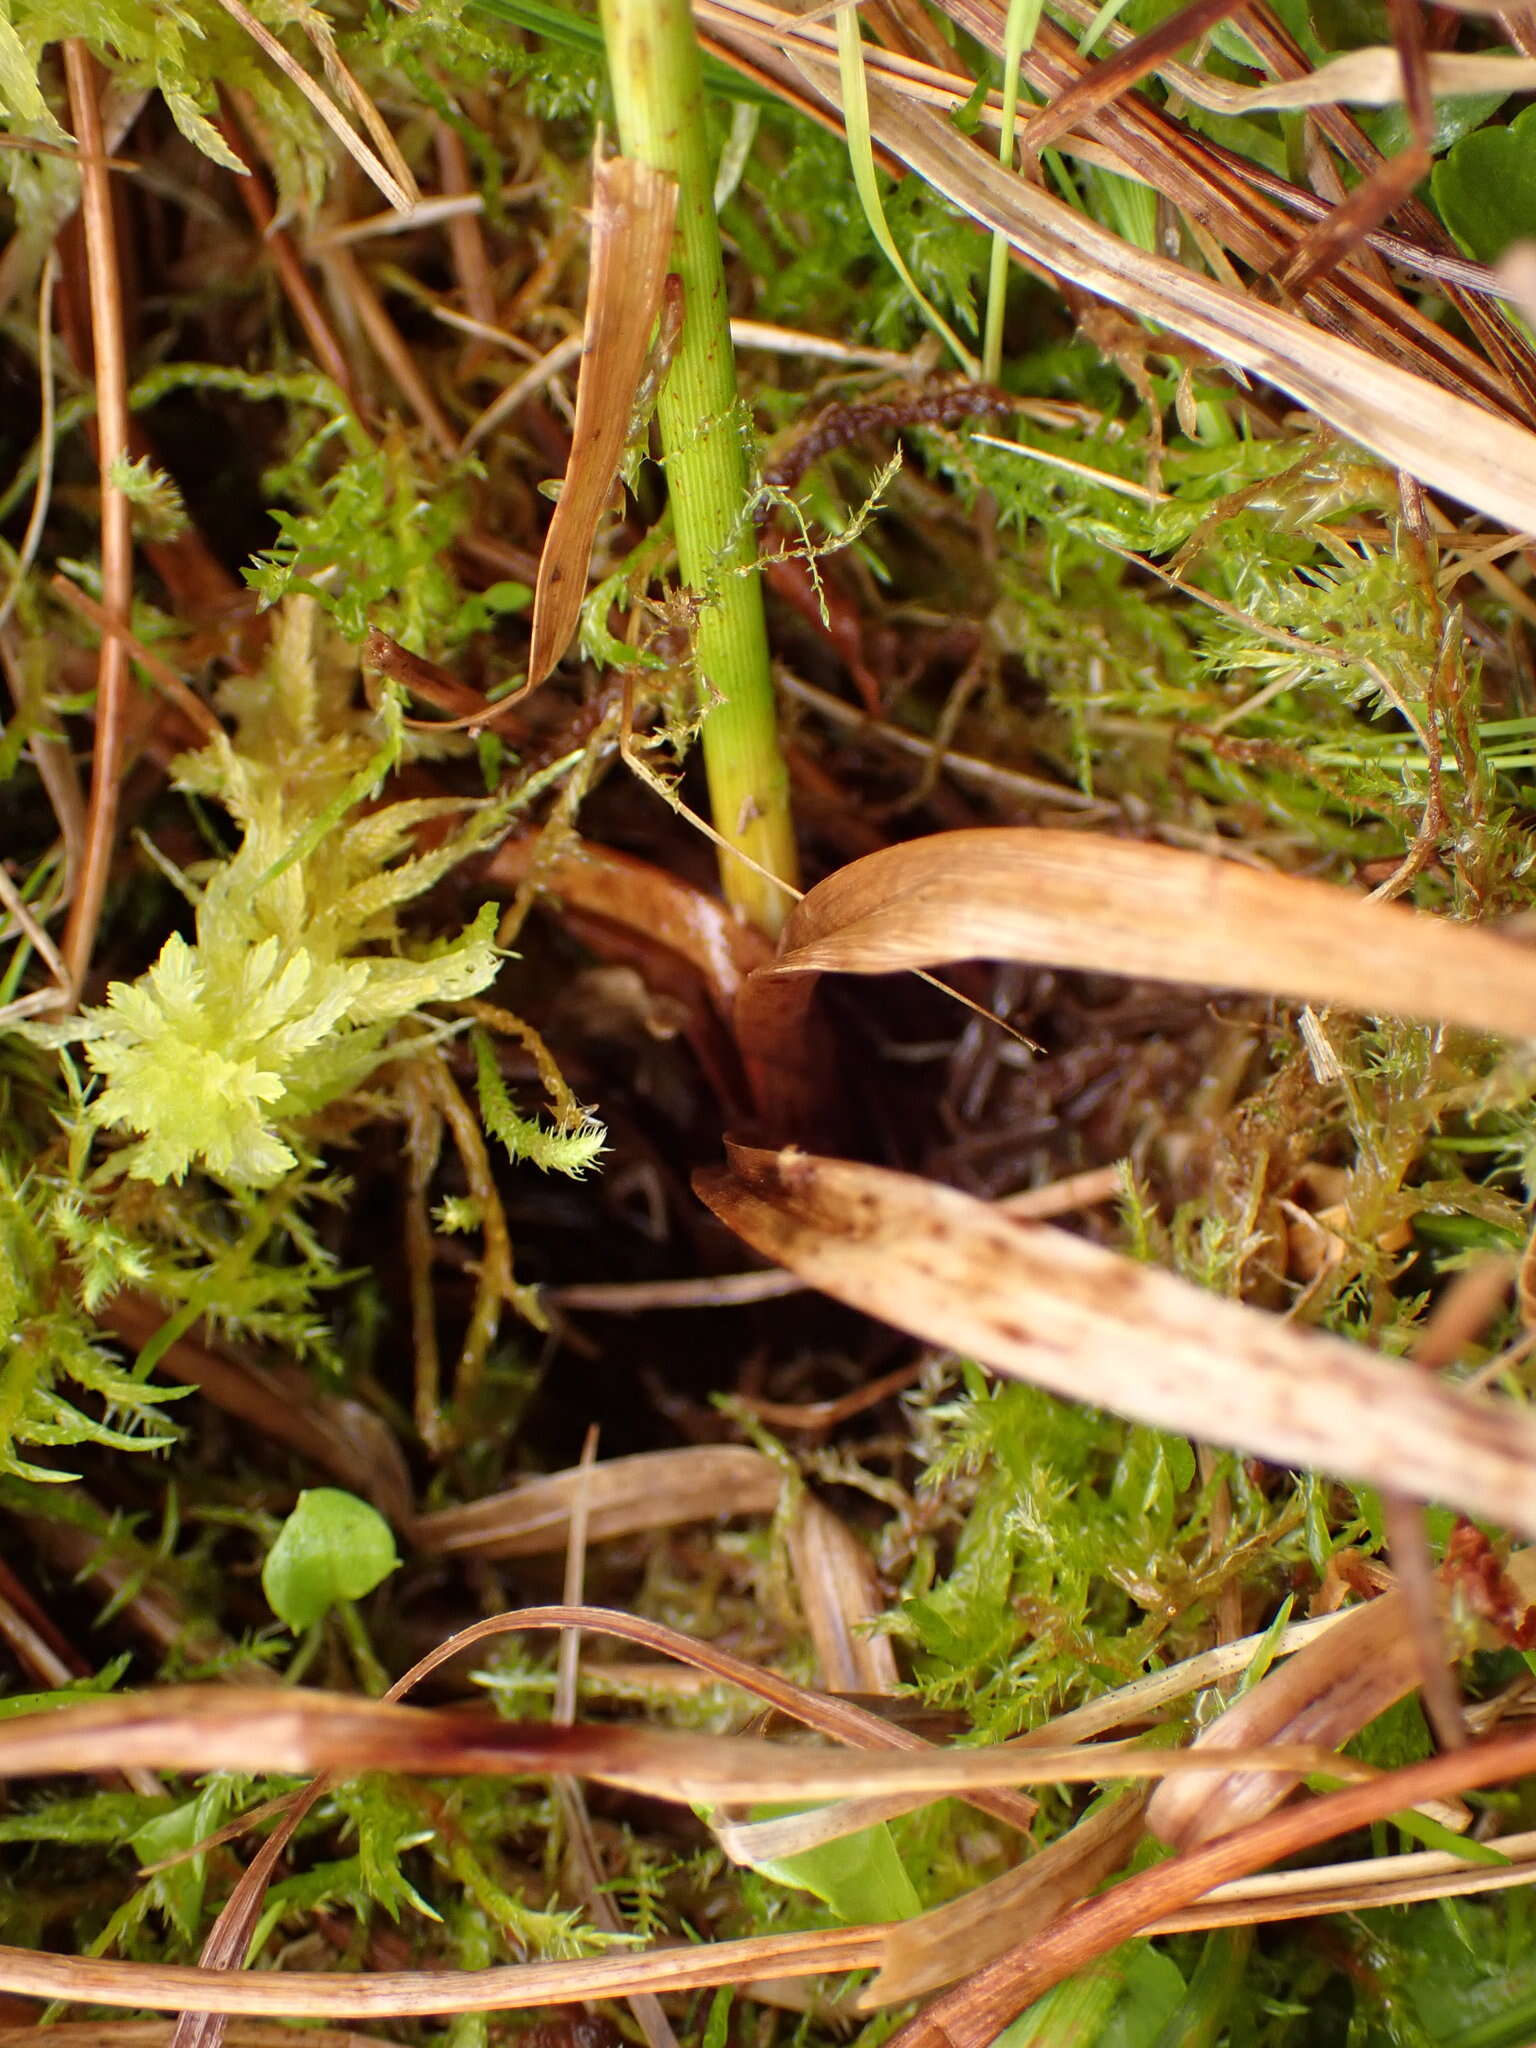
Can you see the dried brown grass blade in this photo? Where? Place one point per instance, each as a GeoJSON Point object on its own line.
{"type": "Point", "coordinates": [651, 1490]}
{"type": "Point", "coordinates": [401, 196]}
{"type": "Point", "coordinates": [835, 1578]}
{"type": "Point", "coordinates": [402, 1994]}
{"type": "Point", "coordinates": [950, 1942]}
{"type": "Point", "coordinates": [633, 209]}
{"type": "Point", "coordinates": [1325, 1693]}
{"type": "Point", "coordinates": [1356, 1887]}
{"type": "Point", "coordinates": [1116, 906]}
{"type": "Point", "coordinates": [976, 2011]}
{"type": "Point", "coordinates": [1040, 1305]}
{"type": "Point", "coordinates": [1445, 440]}
{"type": "Point", "coordinates": [1133, 60]}
{"type": "Point", "coordinates": [198, 1728]}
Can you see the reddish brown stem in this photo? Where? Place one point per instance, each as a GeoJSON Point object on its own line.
{"type": "Point", "coordinates": [116, 532]}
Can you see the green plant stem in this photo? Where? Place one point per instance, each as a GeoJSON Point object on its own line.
{"type": "Point", "coordinates": [1019, 35]}
{"type": "Point", "coordinates": [653, 60]}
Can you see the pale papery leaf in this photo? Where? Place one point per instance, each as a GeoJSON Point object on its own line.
{"type": "Point", "coordinates": [650, 1490]}
{"type": "Point", "coordinates": [1037, 1304]}
{"type": "Point", "coordinates": [633, 209]}
{"type": "Point", "coordinates": [1326, 1693]}
{"type": "Point", "coordinates": [1112, 906]}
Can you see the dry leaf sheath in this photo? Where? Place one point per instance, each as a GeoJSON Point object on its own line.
{"type": "Point", "coordinates": [1038, 1304]}
{"type": "Point", "coordinates": [633, 208]}
{"type": "Point", "coordinates": [1114, 906]}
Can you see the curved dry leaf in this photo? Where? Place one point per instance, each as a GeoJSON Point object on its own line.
{"type": "Point", "coordinates": [1325, 1694]}
{"type": "Point", "coordinates": [1121, 906]}
{"type": "Point", "coordinates": [1038, 1304]}
{"type": "Point", "coordinates": [651, 1490]}
{"type": "Point", "coordinates": [1114, 906]}
{"type": "Point", "coordinates": [1370, 77]}
{"type": "Point", "coordinates": [247, 1728]}
{"type": "Point", "coordinates": [842, 1719]}
{"type": "Point", "coordinates": [633, 209]}
{"type": "Point", "coordinates": [644, 899]}
{"type": "Point", "coordinates": [1448, 442]}
{"type": "Point", "coordinates": [943, 1945]}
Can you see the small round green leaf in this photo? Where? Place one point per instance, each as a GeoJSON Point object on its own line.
{"type": "Point", "coordinates": [1486, 188]}
{"type": "Point", "coordinates": [332, 1547]}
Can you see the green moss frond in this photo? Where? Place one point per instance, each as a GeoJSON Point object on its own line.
{"type": "Point", "coordinates": [571, 1150]}
{"type": "Point", "coordinates": [281, 1004]}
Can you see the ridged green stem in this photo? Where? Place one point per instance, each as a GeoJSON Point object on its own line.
{"type": "Point", "coordinates": [653, 59]}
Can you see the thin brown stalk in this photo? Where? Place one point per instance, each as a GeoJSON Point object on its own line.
{"type": "Point", "coordinates": [45, 1657]}
{"type": "Point", "coordinates": [176, 688]}
{"type": "Point", "coordinates": [36, 934]}
{"type": "Point", "coordinates": [315, 26]}
{"type": "Point", "coordinates": [466, 232]}
{"type": "Point", "coordinates": [533, 380]}
{"type": "Point", "coordinates": [52, 758]}
{"type": "Point", "coordinates": [1009, 784]}
{"type": "Point", "coordinates": [1379, 195]}
{"type": "Point", "coordinates": [715, 1290]}
{"type": "Point", "coordinates": [316, 1994]}
{"type": "Point", "coordinates": [423, 1145]}
{"type": "Point", "coordinates": [495, 1284]}
{"type": "Point", "coordinates": [581, 1842]}
{"type": "Point", "coordinates": [354, 285]}
{"type": "Point", "coordinates": [286, 261]}
{"type": "Point", "coordinates": [111, 376]}
{"type": "Point", "coordinates": [1117, 74]}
